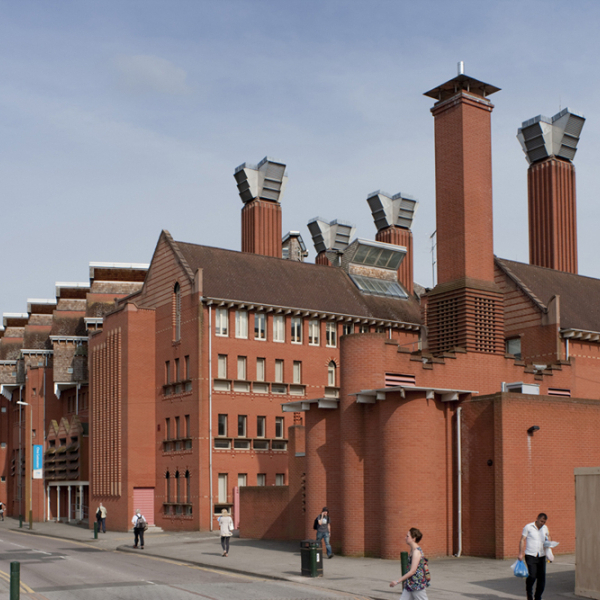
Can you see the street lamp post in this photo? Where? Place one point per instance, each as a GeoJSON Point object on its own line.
{"type": "Point", "coordinates": [30, 461]}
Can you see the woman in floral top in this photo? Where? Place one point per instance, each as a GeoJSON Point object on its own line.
{"type": "Point", "coordinates": [416, 582]}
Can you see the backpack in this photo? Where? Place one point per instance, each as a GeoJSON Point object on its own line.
{"type": "Point", "coordinates": [316, 524]}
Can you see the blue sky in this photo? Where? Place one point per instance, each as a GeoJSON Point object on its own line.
{"type": "Point", "coordinates": [119, 119]}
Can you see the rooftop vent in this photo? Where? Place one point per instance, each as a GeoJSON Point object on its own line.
{"type": "Point", "coordinates": [543, 137]}
{"type": "Point", "coordinates": [334, 235]}
{"type": "Point", "coordinates": [265, 181]}
{"type": "Point", "coordinates": [388, 210]}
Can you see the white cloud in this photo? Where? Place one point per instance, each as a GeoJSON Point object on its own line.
{"type": "Point", "coordinates": [144, 73]}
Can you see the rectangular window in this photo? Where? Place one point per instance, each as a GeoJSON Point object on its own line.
{"type": "Point", "coordinates": [241, 324]}
{"type": "Point", "coordinates": [261, 479]}
{"type": "Point", "coordinates": [297, 371]}
{"type": "Point", "coordinates": [222, 366]}
{"type": "Point", "coordinates": [242, 479]}
{"type": "Point", "coordinates": [242, 420]}
{"type": "Point", "coordinates": [187, 433]}
{"type": "Point", "coordinates": [186, 366]}
{"type": "Point", "coordinates": [278, 427]}
{"type": "Point", "coordinates": [279, 370]}
{"type": "Point", "coordinates": [331, 334]}
{"type": "Point", "coordinates": [260, 369]}
{"type": "Point", "coordinates": [222, 488]}
{"type": "Point", "coordinates": [513, 346]}
{"type": "Point", "coordinates": [222, 322]}
{"type": "Point", "coordinates": [177, 429]}
{"type": "Point", "coordinates": [296, 330]}
{"type": "Point", "coordinates": [260, 326]}
{"type": "Point", "coordinates": [279, 328]}
{"type": "Point", "coordinates": [363, 328]}
{"type": "Point", "coordinates": [177, 378]}
{"type": "Point", "coordinates": [241, 367]}
{"type": "Point", "coordinates": [167, 372]}
{"type": "Point", "coordinates": [167, 429]}
{"type": "Point", "coordinates": [280, 479]}
{"type": "Point", "coordinates": [348, 328]}
{"type": "Point", "coordinates": [222, 430]}
{"type": "Point", "coordinates": [314, 328]}
{"type": "Point", "coordinates": [260, 426]}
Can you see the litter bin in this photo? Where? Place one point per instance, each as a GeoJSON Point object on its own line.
{"type": "Point", "coordinates": [312, 558]}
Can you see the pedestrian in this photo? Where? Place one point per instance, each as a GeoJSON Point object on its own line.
{"type": "Point", "coordinates": [2, 510]}
{"type": "Point", "coordinates": [226, 525]}
{"type": "Point", "coordinates": [532, 547]}
{"type": "Point", "coordinates": [416, 579]}
{"type": "Point", "coordinates": [139, 526]}
{"type": "Point", "coordinates": [323, 527]}
{"type": "Point", "coordinates": [101, 518]}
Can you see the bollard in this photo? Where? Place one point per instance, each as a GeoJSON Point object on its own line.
{"type": "Point", "coordinates": [404, 562]}
{"type": "Point", "coordinates": [21, 521]}
{"type": "Point", "coordinates": [15, 580]}
{"type": "Point", "coordinates": [95, 530]}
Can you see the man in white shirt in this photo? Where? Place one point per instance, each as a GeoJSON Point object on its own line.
{"type": "Point", "coordinates": [532, 547]}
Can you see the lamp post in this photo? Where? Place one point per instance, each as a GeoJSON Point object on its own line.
{"type": "Point", "coordinates": [30, 461]}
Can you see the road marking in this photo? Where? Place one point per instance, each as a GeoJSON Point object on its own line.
{"type": "Point", "coordinates": [49, 537]}
{"type": "Point", "coordinates": [24, 587]}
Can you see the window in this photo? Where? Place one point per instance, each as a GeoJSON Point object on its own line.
{"type": "Point", "coordinates": [363, 328]}
{"type": "Point", "coordinates": [314, 328]}
{"type": "Point", "coordinates": [279, 370]}
{"type": "Point", "coordinates": [261, 479]}
{"type": "Point", "coordinates": [242, 479]}
{"type": "Point", "coordinates": [168, 486]}
{"type": "Point", "coordinates": [222, 428]}
{"type": "Point", "coordinates": [513, 346]}
{"type": "Point", "coordinates": [167, 429]}
{"type": "Point", "coordinates": [331, 334]}
{"type": "Point", "coordinates": [222, 322]}
{"type": "Point", "coordinates": [222, 488]}
{"type": "Point", "coordinates": [260, 426]}
{"type": "Point", "coordinates": [348, 328]}
{"type": "Point", "coordinates": [242, 420]}
{"type": "Point", "coordinates": [296, 330]}
{"type": "Point", "coordinates": [222, 366]}
{"type": "Point", "coordinates": [241, 324]}
{"type": "Point", "coordinates": [260, 369]}
{"type": "Point", "coordinates": [187, 433]}
{"type": "Point", "coordinates": [280, 479]}
{"type": "Point", "coordinates": [297, 371]}
{"type": "Point", "coordinates": [177, 378]}
{"type": "Point", "coordinates": [241, 367]}
{"type": "Point", "coordinates": [279, 427]}
{"type": "Point", "coordinates": [188, 491]}
{"type": "Point", "coordinates": [279, 328]}
{"type": "Point", "coordinates": [260, 326]}
{"type": "Point", "coordinates": [178, 486]}
{"type": "Point", "coordinates": [177, 429]}
{"type": "Point", "coordinates": [186, 366]}
{"type": "Point", "coordinates": [177, 312]}
{"type": "Point", "coordinates": [331, 373]}
{"type": "Point", "coordinates": [167, 372]}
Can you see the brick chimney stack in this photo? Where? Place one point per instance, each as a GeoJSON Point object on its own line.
{"type": "Point", "coordinates": [261, 188]}
{"type": "Point", "coordinates": [550, 145]}
{"type": "Point", "coordinates": [393, 216]}
{"type": "Point", "coordinates": [465, 307]}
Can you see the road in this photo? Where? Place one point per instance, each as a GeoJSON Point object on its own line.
{"type": "Point", "coordinates": [57, 569]}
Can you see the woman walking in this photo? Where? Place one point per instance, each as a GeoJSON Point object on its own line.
{"type": "Point", "coordinates": [226, 524]}
{"type": "Point", "coordinates": [416, 579]}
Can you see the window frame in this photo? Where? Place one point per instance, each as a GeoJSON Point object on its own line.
{"type": "Point", "coordinates": [242, 426]}
{"type": "Point", "coordinates": [222, 322]}
{"type": "Point", "coordinates": [242, 368]}
{"type": "Point", "coordinates": [314, 325]}
{"type": "Point", "coordinates": [296, 330]}
{"type": "Point", "coordinates": [222, 425]}
{"type": "Point", "coordinates": [331, 334]}
{"type": "Point", "coordinates": [261, 426]}
{"type": "Point", "coordinates": [222, 366]}
{"type": "Point", "coordinates": [279, 428]}
{"type": "Point", "coordinates": [241, 324]}
{"type": "Point", "coordinates": [260, 318]}
{"type": "Point", "coordinates": [279, 329]}
{"type": "Point", "coordinates": [279, 370]}
{"type": "Point", "coordinates": [297, 372]}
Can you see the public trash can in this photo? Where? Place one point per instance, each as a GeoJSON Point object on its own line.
{"type": "Point", "coordinates": [311, 554]}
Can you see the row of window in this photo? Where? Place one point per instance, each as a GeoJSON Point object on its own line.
{"type": "Point", "coordinates": [260, 373]}
{"type": "Point", "coordinates": [242, 426]}
{"type": "Point", "coordinates": [174, 373]}
{"type": "Point", "coordinates": [296, 330]}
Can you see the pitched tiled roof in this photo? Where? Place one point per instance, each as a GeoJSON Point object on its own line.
{"type": "Point", "coordinates": [253, 278]}
{"type": "Point", "coordinates": [579, 295]}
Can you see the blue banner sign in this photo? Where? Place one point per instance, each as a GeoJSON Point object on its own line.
{"type": "Point", "coordinates": [38, 461]}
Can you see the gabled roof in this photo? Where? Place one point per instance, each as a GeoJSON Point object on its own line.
{"type": "Point", "coordinates": [257, 279]}
{"type": "Point", "coordinates": [579, 295]}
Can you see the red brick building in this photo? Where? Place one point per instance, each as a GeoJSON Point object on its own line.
{"type": "Point", "coordinates": [461, 410]}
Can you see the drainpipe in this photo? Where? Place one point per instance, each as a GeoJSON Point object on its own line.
{"type": "Point", "coordinates": [46, 516]}
{"type": "Point", "coordinates": [567, 348]}
{"type": "Point", "coordinates": [210, 387]}
{"type": "Point", "coordinates": [459, 482]}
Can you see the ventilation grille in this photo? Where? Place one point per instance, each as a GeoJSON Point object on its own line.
{"type": "Point", "coordinates": [559, 392]}
{"type": "Point", "coordinates": [485, 325]}
{"type": "Point", "coordinates": [396, 379]}
{"type": "Point", "coordinates": [447, 313]}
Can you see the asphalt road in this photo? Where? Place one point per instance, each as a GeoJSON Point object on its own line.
{"type": "Point", "coordinates": [54, 569]}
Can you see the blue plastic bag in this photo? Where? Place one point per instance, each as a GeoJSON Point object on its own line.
{"type": "Point", "coordinates": [520, 569]}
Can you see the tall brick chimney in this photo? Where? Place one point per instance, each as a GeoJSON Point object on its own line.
{"type": "Point", "coordinates": [261, 188]}
{"type": "Point", "coordinates": [465, 307]}
{"type": "Point", "coordinates": [550, 145]}
{"type": "Point", "coordinates": [393, 216]}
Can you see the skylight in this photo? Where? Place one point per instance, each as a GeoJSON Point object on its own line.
{"type": "Point", "coordinates": [376, 256]}
{"type": "Point", "coordinates": [378, 287]}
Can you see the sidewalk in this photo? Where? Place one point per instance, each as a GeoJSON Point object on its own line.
{"type": "Point", "coordinates": [452, 578]}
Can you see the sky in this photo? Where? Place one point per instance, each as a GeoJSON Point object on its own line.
{"type": "Point", "coordinates": [122, 118]}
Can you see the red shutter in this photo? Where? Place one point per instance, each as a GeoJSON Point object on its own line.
{"type": "Point", "coordinates": [143, 498]}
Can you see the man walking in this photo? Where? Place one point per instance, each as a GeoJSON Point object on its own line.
{"type": "Point", "coordinates": [324, 530]}
{"type": "Point", "coordinates": [532, 547]}
{"type": "Point", "coordinates": [101, 518]}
